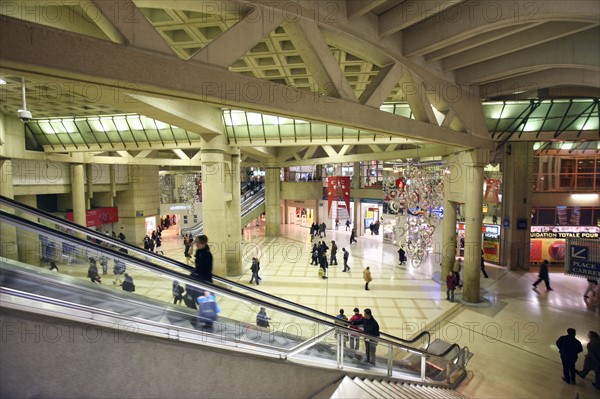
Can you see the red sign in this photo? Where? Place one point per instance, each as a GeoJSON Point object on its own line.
{"type": "Point", "coordinates": [98, 216]}
{"type": "Point", "coordinates": [338, 189]}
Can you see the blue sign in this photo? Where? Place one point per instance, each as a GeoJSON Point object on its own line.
{"type": "Point", "coordinates": [583, 260]}
{"type": "Point", "coordinates": [579, 252]}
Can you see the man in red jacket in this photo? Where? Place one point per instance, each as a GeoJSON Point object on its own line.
{"type": "Point", "coordinates": [355, 339]}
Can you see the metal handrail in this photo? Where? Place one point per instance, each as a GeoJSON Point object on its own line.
{"type": "Point", "coordinates": [118, 243]}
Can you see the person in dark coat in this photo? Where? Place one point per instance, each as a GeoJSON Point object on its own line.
{"type": "Point", "coordinates": [543, 275]}
{"type": "Point", "coordinates": [370, 327]}
{"type": "Point", "coordinates": [177, 291]}
{"type": "Point", "coordinates": [569, 348]}
{"type": "Point", "coordinates": [323, 264]}
{"type": "Point", "coordinates": [333, 258]}
{"type": "Point", "coordinates": [402, 255]}
{"type": "Point", "coordinates": [352, 236]}
{"type": "Point", "coordinates": [485, 275]}
{"type": "Point", "coordinates": [254, 269]}
{"type": "Point", "coordinates": [204, 260]}
{"type": "Point", "coordinates": [314, 255]}
{"type": "Point", "coordinates": [592, 359]}
{"type": "Point", "coordinates": [450, 286]}
{"type": "Point", "coordinates": [346, 256]}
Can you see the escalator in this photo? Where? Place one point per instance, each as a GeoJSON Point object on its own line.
{"type": "Point", "coordinates": [31, 240]}
{"type": "Point", "coordinates": [252, 206]}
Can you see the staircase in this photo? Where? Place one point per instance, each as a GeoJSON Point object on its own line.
{"type": "Point", "coordinates": [365, 388]}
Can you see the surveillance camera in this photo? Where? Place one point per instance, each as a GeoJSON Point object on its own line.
{"type": "Point", "coordinates": [24, 115]}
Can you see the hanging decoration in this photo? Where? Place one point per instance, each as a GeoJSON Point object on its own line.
{"type": "Point", "coordinates": [338, 190]}
{"type": "Point", "coordinates": [190, 191]}
{"type": "Point", "coordinates": [416, 198]}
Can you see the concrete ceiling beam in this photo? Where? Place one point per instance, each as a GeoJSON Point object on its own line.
{"type": "Point", "coordinates": [355, 9]}
{"type": "Point", "coordinates": [382, 85]}
{"type": "Point", "coordinates": [579, 50]}
{"type": "Point", "coordinates": [529, 38]}
{"type": "Point", "coordinates": [310, 44]}
{"type": "Point", "coordinates": [543, 79]}
{"type": "Point", "coordinates": [411, 12]}
{"type": "Point", "coordinates": [236, 41]}
{"type": "Point", "coordinates": [132, 25]}
{"type": "Point", "coordinates": [107, 65]}
{"type": "Point", "coordinates": [477, 41]}
{"type": "Point", "coordinates": [470, 19]}
{"type": "Point", "coordinates": [428, 151]}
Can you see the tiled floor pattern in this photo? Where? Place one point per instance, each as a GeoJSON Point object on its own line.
{"type": "Point", "coordinates": [512, 332]}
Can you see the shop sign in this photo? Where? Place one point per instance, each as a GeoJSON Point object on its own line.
{"type": "Point", "coordinates": [98, 216]}
{"type": "Point", "coordinates": [565, 235]}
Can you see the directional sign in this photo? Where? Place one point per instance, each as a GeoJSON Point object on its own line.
{"type": "Point", "coordinates": [579, 252]}
{"type": "Point", "coordinates": [583, 258]}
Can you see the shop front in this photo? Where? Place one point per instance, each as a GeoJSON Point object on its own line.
{"type": "Point", "coordinates": [490, 241]}
{"type": "Point", "coordinates": [301, 213]}
{"type": "Point", "coordinates": [549, 242]}
{"type": "Point", "coordinates": [371, 210]}
{"type": "Point", "coordinates": [182, 215]}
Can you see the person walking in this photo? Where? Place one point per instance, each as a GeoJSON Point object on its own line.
{"type": "Point", "coordinates": [346, 256]}
{"type": "Point", "coordinates": [450, 286]}
{"type": "Point", "coordinates": [371, 327]}
{"type": "Point", "coordinates": [485, 275]}
{"type": "Point", "coordinates": [254, 269]}
{"type": "Point", "coordinates": [591, 362]}
{"type": "Point", "coordinates": [352, 236]}
{"type": "Point", "coordinates": [347, 224]}
{"type": "Point", "coordinates": [456, 270]}
{"type": "Point", "coordinates": [323, 264]}
{"type": "Point", "coordinates": [543, 275]}
{"type": "Point", "coordinates": [203, 260]}
{"type": "Point", "coordinates": [333, 256]}
{"type": "Point", "coordinates": [367, 277]}
{"type": "Point", "coordinates": [158, 241]}
{"type": "Point", "coordinates": [355, 338]}
{"type": "Point", "coordinates": [569, 348]}
{"type": "Point", "coordinates": [402, 255]}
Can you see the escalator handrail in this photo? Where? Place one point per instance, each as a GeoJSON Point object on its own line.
{"type": "Point", "coordinates": [57, 234]}
{"type": "Point", "coordinates": [136, 249]}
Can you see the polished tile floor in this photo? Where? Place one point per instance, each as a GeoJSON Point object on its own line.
{"type": "Point", "coordinates": [511, 332]}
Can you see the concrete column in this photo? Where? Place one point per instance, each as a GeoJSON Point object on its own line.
{"type": "Point", "coordinates": [516, 204]}
{"type": "Point", "coordinates": [89, 180]}
{"type": "Point", "coordinates": [234, 219]}
{"type": "Point", "coordinates": [273, 199]}
{"type": "Point", "coordinates": [473, 168]}
{"type": "Point", "coordinates": [113, 182]}
{"type": "Point", "coordinates": [214, 208]}
{"type": "Point", "coordinates": [448, 236]}
{"type": "Point", "coordinates": [8, 234]}
{"type": "Point", "coordinates": [78, 194]}
{"type": "Point", "coordinates": [356, 222]}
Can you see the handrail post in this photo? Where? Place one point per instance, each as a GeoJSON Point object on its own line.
{"type": "Point", "coordinates": [341, 363]}
{"type": "Point", "coordinates": [423, 367]}
{"type": "Point", "coordinates": [338, 345]}
{"type": "Point", "coordinates": [390, 360]}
